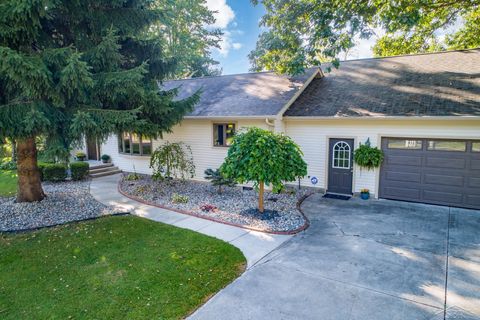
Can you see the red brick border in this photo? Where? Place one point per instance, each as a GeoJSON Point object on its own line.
{"type": "Point", "coordinates": [295, 231]}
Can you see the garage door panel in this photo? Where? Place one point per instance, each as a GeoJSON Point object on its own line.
{"type": "Point", "coordinates": [445, 163]}
{"type": "Point", "coordinates": [444, 180]}
{"type": "Point", "coordinates": [442, 197]}
{"type": "Point", "coordinates": [474, 183]}
{"type": "Point", "coordinates": [475, 164]}
{"type": "Point", "coordinates": [403, 176]}
{"type": "Point", "coordinates": [400, 193]}
{"type": "Point", "coordinates": [403, 160]}
{"type": "Point", "coordinates": [473, 200]}
{"type": "Point", "coordinates": [431, 176]}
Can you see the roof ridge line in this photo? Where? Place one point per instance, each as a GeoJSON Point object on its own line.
{"type": "Point", "coordinates": [412, 54]}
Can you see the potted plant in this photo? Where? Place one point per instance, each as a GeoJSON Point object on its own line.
{"type": "Point", "coordinates": [105, 158]}
{"type": "Point", "coordinates": [81, 156]}
{"type": "Point", "coordinates": [365, 194]}
{"type": "Point", "coordinates": [367, 156]}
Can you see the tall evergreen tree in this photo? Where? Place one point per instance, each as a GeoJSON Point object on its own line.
{"type": "Point", "coordinates": [68, 67]}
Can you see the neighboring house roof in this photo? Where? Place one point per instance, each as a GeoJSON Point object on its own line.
{"type": "Point", "coordinates": [259, 94]}
{"type": "Point", "coordinates": [438, 84]}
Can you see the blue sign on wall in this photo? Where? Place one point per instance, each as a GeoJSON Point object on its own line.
{"type": "Point", "coordinates": [314, 180]}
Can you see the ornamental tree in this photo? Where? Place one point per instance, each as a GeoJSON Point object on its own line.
{"type": "Point", "coordinates": [72, 67]}
{"type": "Point", "coordinates": [264, 158]}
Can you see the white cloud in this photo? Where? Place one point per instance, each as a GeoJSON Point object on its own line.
{"type": "Point", "coordinates": [226, 44]}
{"type": "Point", "coordinates": [223, 15]}
{"type": "Point", "coordinates": [224, 20]}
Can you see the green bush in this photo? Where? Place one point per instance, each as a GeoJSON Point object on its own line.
{"type": "Point", "coordinates": [9, 165]}
{"type": "Point", "coordinates": [178, 198]}
{"type": "Point", "coordinates": [79, 170]}
{"type": "Point", "coordinates": [53, 172]}
{"type": "Point", "coordinates": [41, 166]}
{"type": "Point", "coordinates": [81, 156]}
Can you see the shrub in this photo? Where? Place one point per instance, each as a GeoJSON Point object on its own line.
{"type": "Point", "coordinates": [81, 156]}
{"type": "Point", "coordinates": [178, 198]}
{"type": "Point", "coordinates": [54, 172]}
{"type": "Point", "coordinates": [172, 160]}
{"type": "Point", "coordinates": [79, 170]}
{"type": "Point", "coordinates": [105, 157]}
{"type": "Point", "coordinates": [9, 165]}
{"type": "Point", "coordinates": [132, 177]}
{"type": "Point", "coordinates": [368, 157]}
{"type": "Point", "coordinates": [218, 179]}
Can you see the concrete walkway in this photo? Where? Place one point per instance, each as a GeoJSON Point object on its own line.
{"type": "Point", "coordinates": [254, 245]}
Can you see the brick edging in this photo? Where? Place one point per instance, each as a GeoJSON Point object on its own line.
{"type": "Point", "coordinates": [189, 213]}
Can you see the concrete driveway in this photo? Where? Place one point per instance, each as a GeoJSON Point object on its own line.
{"type": "Point", "coordinates": [364, 260]}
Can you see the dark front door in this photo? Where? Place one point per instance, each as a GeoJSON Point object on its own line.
{"type": "Point", "coordinates": [92, 148]}
{"type": "Point", "coordinates": [340, 170]}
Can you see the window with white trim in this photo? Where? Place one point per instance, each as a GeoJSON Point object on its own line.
{"type": "Point", "coordinates": [134, 144]}
{"type": "Point", "coordinates": [223, 134]}
{"type": "Point", "coordinates": [341, 155]}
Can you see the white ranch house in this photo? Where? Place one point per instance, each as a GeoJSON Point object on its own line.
{"type": "Point", "coordinates": [422, 110]}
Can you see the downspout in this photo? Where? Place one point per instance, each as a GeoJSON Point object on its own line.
{"type": "Point", "coordinates": [269, 123]}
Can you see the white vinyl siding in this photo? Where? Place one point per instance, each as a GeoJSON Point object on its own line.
{"type": "Point", "coordinates": [198, 134]}
{"type": "Point", "coordinates": [313, 135]}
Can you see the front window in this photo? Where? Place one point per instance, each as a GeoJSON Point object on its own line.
{"type": "Point", "coordinates": [341, 155]}
{"type": "Point", "coordinates": [223, 134]}
{"type": "Point", "coordinates": [132, 143]}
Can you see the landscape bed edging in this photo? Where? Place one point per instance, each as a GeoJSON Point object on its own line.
{"type": "Point", "coordinates": [189, 213]}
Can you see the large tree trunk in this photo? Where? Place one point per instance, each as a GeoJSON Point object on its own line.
{"type": "Point", "coordinates": [29, 184]}
{"type": "Point", "coordinates": [260, 197]}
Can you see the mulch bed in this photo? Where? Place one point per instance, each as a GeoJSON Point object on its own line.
{"type": "Point", "coordinates": [233, 206]}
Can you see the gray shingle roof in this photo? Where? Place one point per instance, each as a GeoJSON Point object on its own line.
{"type": "Point", "coordinates": [249, 94]}
{"type": "Point", "coordinates": [439, 84]}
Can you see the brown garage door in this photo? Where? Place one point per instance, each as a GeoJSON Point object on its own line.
{"type": "Point", "coordinates": [445, 172]}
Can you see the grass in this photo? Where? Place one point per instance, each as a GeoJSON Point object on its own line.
{"type": "Point", "coordinates": [121, 267]}
{"type": "Point", "coordinates": [8, 183]}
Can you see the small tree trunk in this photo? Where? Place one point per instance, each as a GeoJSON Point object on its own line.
{"type": "Point", "coordinates": [29, 184]}
{"type": "Point", "coordinates": [14, 150]}
{"type": "Point", "coordinates": [260, 197]}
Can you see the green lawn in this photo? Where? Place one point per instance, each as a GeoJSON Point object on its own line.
{"type": "Point", "coordinates": [120, 267]}
{"type": "Point", "coordinates": [8, 183]}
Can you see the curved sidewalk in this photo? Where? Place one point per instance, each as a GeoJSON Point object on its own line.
{"type": "Point", "coordinates": [254, 245]}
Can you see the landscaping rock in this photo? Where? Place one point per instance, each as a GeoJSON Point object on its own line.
{"type": "Point", "coordinates": [233, 205]}
{"type": "Point", "coordinates": [65, 202]}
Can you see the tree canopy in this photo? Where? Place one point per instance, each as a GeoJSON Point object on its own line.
{"type": "Point", "coordinates": [72, 67]}
{"type": "Point", "coordinates": [263, 157]}
{"type": "Point", "coordinates": [307, 32]}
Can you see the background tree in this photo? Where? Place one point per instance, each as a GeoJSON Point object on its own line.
{"type": "Point", "coordinates": [188, 38]}
{"type": "Point", "coordinates": [264, 158]}
{"type": "Point", "coordinates": [71, 67]}
{"type": "Point", "coordinates": [302, 33]}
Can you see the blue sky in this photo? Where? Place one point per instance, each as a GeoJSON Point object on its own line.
{"type": "Point", "coordinates": [240, 33]}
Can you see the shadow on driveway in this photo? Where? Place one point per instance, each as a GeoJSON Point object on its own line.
{"type": "Point", "coordinates": [364, 260]}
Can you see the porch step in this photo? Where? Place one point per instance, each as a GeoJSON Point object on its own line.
{"type": "Point", "coordinates": [102, 171]}
{"type": "Point", "coordinates": [100, 166]}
